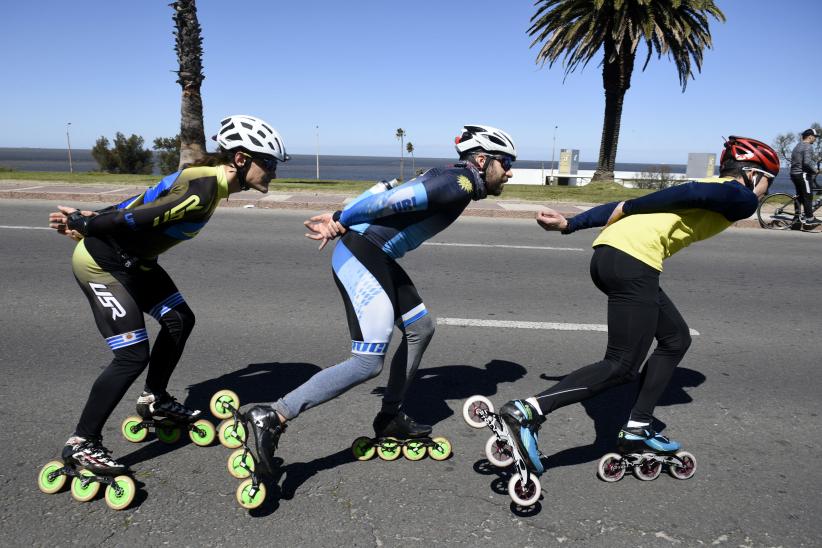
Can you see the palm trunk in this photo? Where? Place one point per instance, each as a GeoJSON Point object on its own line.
{"type": "Point", "coordinates": [189, 49]}
{"type": "Point", "coordinates": [616, 79]}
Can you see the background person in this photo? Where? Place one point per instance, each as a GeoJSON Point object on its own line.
{"type": "Point", "coordinates": [803, 170]}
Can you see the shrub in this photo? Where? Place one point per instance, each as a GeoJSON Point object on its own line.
{"type": "Point", "coordinates": [127, 156]}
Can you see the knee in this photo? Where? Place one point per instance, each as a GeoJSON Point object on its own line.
{"type": "Point", "coordinates": [623, 372]}
{"type": "Point", "coordinates": [678, 343]}
{"type": "Point", "coordinates": [421, 330]}
{"type": "Point", "coordinates": [179, 321]}
{"type": "Point", "coordinates": [368, 365]}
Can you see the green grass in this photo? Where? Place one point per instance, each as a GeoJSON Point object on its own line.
{"type": "Point", "coordinates": [594, 193]}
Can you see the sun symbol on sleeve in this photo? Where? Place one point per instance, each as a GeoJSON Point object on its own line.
{"type": "Point", "coordinates": [465, 183]}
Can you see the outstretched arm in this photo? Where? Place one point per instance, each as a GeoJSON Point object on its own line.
{"type": "Point", "coordinates": [59, 221]}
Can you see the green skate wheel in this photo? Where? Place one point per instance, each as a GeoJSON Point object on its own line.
{"type": "Point", "coordinates": [413, 450]}
{"type": "Point", "coordinates": [50, 486]}
{"type": "Point", "coordinates": [168, 432]}
{"type": "Point", "coordinates": [388, 449]}
{"type": "Point", "coordinates": [84, 492]}
{"type": "Point", "coordinates": [363, 449]}
{"type": "Point", "coordinates": [121, 500]}
{"type": "Point", "coordinates": [238, 466]}
{"type": "Point", "coordinates": [244, 497]}
{"type": "Point", "coordinates": [229, 436]}
{"type": "Point", "coordinates": [132, 430]}
{"type": "Point", "coordinates": [441, 449]}
{"type": "Point", "coordinates": [219, 401]}
{"type": "Point", "coordinates": [202, 433]}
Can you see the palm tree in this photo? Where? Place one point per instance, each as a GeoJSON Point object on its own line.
{"type": "Point", "coordinates": [401, 135]}
{"type": "Point", "coordinates": [189, 48]}
{"type": "Point", "coordinates": [577, 30]}
{"type": "Point", "coordinates": [410, 149]}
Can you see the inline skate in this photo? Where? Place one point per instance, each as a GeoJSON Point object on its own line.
{"type": "Point", "coordinates": [167, 417]}
{"type": "Point", "coordinates": [645, 452]}
{"type": "Point", "coordinates": [249, 463]}
{"type": "Point", "coordinates": [502, 449]}
{"type": "Point", "coordinates": [398, 434]}
{"type": "Point", "coordinates": [90, 466]}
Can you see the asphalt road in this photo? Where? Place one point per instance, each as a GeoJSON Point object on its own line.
{"type": "Point", "coordinates": [745, 400]}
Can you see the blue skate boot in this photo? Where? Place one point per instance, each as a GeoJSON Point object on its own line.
{"type": "Point", "coordinates": [642, 439]}
{"type": "Point", "coordinates": [523, 424]}
{"type": "Point", "coordinates": [267, 428]}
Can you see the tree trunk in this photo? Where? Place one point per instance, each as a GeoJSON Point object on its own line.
{"type": "Point", "coordinates": [616, 79]}
{"type": "Point", "coordinates": [189, 49]}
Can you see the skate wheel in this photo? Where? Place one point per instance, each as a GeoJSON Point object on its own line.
{"type": "Point", "coordinates": [244, 497]}
{"type": "Point", "coordinates": [84, 490]}
{"type": "Point", "coordinates": [472, 406]}
{"type": "Point", "coordinates": [202, 433]}
{"type": "Point", "coordinates": [524, 495]}
{"type": "Point", "coordinates": [440, 450]}
{"type": "Point", "coordinates": [127, 491]}
{"type": "Point", "coordinates": [388, 449]}
{"type": "Point", "coordinates": [238, 466]}
{"type": "Point", "coordinates": [498, 452]}
{"type": "Point", "coordinates": [648, 469]}
{"type": "Point", "coordinates": [132, 430]}
{"type": "Point", "coordinates": [168, 432]}
{"type": "Point", "coordinates": [50, 486]}
{"type": "Point", "coordinates": [414, 450]}
{"type": "Point", "coordinates": [363, 448]}
{"type": "Point", "coordinates": [688, 468]}
{"type": "Point", "coordinates": [221, 401]}
{"type": "Point", "coordinates": [611, 468]}
{"type": "Point", "coordinates": [229, 436]}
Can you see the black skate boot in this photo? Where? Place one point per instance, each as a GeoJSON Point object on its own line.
{"type": "Point", "coordinates": [400, 426]}
{"type": "Point", "coordinates": [164, 406]}
{"type": "Point", "coordinates": [91, 455]}
{"type": "Point", "coordinates": [267, 428]}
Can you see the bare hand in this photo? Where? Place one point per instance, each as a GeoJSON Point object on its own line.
{"type": "Point", "coordinates": [324, 228]}
{"type": "Point", "coordinates": [58, 219]}
{"type": "Point", "coordinates": [551, 220]}
{"type": "Point", "coordinates": [616, 214]}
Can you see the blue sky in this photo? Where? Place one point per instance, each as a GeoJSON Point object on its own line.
{"type": "Point", "coordinates": [363, 68]}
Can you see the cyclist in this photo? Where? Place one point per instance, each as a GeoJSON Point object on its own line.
{"type": "Point", "coordinates": [377, 229]}
{"type": "Point", "coordinates": [115, 264]}
{"type": "Point", "coordinates": [803, 171]}
{"type": "Point", "coordinates": [627, 261]}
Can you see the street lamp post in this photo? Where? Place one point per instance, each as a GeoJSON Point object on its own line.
{"type": "Point", "coordinates": [318, 151]}
{"type": "Point", "coordinates": [68, 142]}
{"type": "Point", "coordinates": [553, 151]}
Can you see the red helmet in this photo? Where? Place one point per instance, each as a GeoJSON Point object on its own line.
{"type": "Point", "coordinates": [747, 151]}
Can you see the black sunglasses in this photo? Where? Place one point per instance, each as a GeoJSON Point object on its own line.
{"type": "Point", "coordinates": [505, 161]}
{"type": "Point", "coordinates": [268, 164]}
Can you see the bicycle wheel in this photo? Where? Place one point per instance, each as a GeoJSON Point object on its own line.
{"type": "Point", "coordinates": [778, 211]}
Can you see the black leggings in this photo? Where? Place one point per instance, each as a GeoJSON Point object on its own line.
{"type": "Point", "coordinates": [119, 297]}
{"type": "Point", "coordinates": [638, 312]}
{"type": "Point", "coordinates": [802, 183]}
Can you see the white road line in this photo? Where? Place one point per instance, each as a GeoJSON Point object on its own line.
{"type": "Point", "coordinates": [27, 227]}
{"type": "Point", "coordinates": [507, 246]}
{"type": "Point", "coordinates": [465, 322]}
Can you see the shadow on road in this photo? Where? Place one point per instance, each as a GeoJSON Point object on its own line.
{"type": "Point", "coordinates": [610, 409]}
{"type": "Point", "coordinates": [426, 398]}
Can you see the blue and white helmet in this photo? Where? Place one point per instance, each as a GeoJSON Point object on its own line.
{"type": "Point", "coordinates": [251, 134]}
{"type": "Point", "coordinates": [475, 138]}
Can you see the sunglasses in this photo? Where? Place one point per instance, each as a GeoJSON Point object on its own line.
{"type": "Point", "coordinates": [268, 164]}
{"type": "Point", "coordinates": [504, 161]}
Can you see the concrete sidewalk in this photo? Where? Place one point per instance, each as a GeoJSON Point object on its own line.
{"type": "Point", "coordinates": [313, 201]}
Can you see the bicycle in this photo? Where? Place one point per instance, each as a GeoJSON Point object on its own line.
{"type": "Point", "coordinates": [780, 211]}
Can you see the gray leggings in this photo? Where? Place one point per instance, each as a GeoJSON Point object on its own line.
{"type": "Point", "coordinates": [333, 381]}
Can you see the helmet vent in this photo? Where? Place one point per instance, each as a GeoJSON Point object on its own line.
{"type": "Point", "coordinates": [246, 125]}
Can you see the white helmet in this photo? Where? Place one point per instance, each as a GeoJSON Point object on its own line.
{"type": "Point", "coordinates": [251, 134]}
{"type": "Point", "coordinates": [487, 139]}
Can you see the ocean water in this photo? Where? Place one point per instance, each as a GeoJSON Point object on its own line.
{"type": "Point", "coordinates": [303, 166]}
